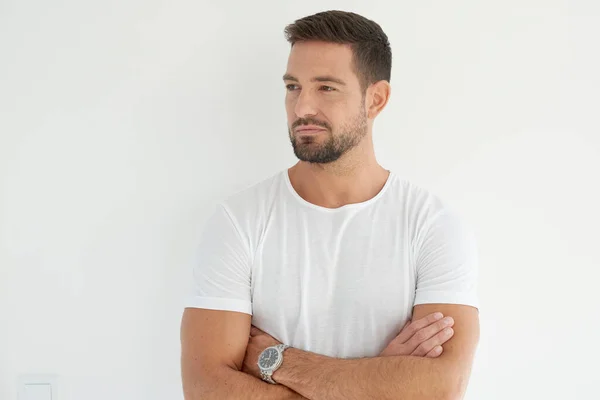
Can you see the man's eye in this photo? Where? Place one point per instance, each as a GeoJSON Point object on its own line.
{"type": "Point", "coordinates": [291, 87]}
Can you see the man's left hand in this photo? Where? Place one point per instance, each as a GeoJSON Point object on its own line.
{"type": "Point", "coordinates": [257, 342]}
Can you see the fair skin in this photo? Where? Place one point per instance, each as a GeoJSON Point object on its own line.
{"type": "Point", "coordinates": [398, 376]}
{"type": "Point", "coordinates": [219, 361]}
{"type": "Point", "coordinates": [337, 166]}
{"type": "Point", "coordinates": [355, 176]}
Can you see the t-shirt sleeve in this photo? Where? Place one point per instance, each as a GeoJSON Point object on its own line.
{"type": "Point", "coordinates": [221, 272]}
{"type": "Point", "coordinates": [446, 262]}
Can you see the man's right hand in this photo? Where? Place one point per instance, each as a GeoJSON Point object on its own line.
{"type": "Point", "coordinates": [422, 338]}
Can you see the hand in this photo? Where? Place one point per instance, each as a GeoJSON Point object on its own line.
{"type": "Point", "coordinates": [423, 338]}
{"type": "Point", "coordinates": [257, 342]}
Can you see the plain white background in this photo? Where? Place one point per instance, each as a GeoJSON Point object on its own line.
{"type": "Point", "coordinates": [123, 122]}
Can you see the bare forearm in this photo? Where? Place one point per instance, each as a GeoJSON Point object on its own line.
{"type": "Point", "coordinates": [397, 377]}
{"type": "Point", "coordinates": [232, 384]}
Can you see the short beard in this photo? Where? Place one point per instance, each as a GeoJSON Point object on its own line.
{"type": "Point", "coordinates": [306, 148]}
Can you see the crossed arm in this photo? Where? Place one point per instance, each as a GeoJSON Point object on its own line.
{"type": "Point", "coordinates": [313, 376]}
{"type": "Point", "coordinates": [398, 377]}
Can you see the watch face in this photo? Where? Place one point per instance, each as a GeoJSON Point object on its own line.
{"type": "Point", "coordinates": [268, 359]}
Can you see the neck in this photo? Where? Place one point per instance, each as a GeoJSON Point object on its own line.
{"type": "Point", "coordinates": [354, 178]}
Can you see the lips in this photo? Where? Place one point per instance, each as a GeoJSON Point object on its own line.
{"type": "Point", "coordinates": [310, 129]}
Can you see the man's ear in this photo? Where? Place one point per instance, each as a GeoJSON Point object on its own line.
{"type": "Point", "coordinates": [378, 95]}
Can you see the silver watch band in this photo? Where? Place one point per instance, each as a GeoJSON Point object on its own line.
{"type": "Point", "coordinates": [267, 377]}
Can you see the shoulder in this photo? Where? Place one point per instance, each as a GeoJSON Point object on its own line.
{"type": "Point", "coordinates": [249, 209]}
{"type": "Point", "coordinates": [255, 197]}
{"type": "Point", "coordinates": [424, 208]}
{"type": "Point", "coordinates": [418, 200]}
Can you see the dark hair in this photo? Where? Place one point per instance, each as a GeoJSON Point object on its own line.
{"type": "Point", "coordinates": [372, 54]}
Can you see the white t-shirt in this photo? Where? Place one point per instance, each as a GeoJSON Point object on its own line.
{"type": "Point", "coordinates": [339, 282]}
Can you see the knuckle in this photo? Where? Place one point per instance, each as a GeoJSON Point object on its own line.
{"type": "Point", "coordinates": [436, 351]}
{"type": "Point", "coordinates": [438, 340]}
{"type": "Point", "coordinates": [421, 336]}
{"type": "Point", "coordinates": [411, 329]}
{"type": "Point", "coordinates": [422, 349]}
{"type": "Point", "coordinates": [444, 335]}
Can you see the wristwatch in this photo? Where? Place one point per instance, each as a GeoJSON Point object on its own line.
{"type": "Point", "coordinates": [270, 360]}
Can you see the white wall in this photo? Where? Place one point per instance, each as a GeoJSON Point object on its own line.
{"type": "Point", "coordinates": [123, 122]}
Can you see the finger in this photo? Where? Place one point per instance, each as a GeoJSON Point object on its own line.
{"type": "Point", "coordinates": [254, 331]}
{"type": "Point", "coordinates": [429, 332]}
{"type": "Point", "coordinates": [435, 352]}
{"type": "Point", "coordinates": [413, 327]}
{"type": "Point", "coordinates": [427, 346]}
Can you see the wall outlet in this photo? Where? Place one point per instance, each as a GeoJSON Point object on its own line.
{"type": "Point", "coordinates": [37, 387]}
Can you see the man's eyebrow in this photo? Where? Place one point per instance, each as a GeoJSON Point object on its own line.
{"type": "Point", "coordinates": [327, 78]}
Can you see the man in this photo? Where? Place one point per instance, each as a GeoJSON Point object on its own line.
{"type": "Point", "coordinates": [347, 263]}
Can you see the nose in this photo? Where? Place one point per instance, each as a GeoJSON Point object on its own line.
{"type": "Point", "coordinates": [305, 104]}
